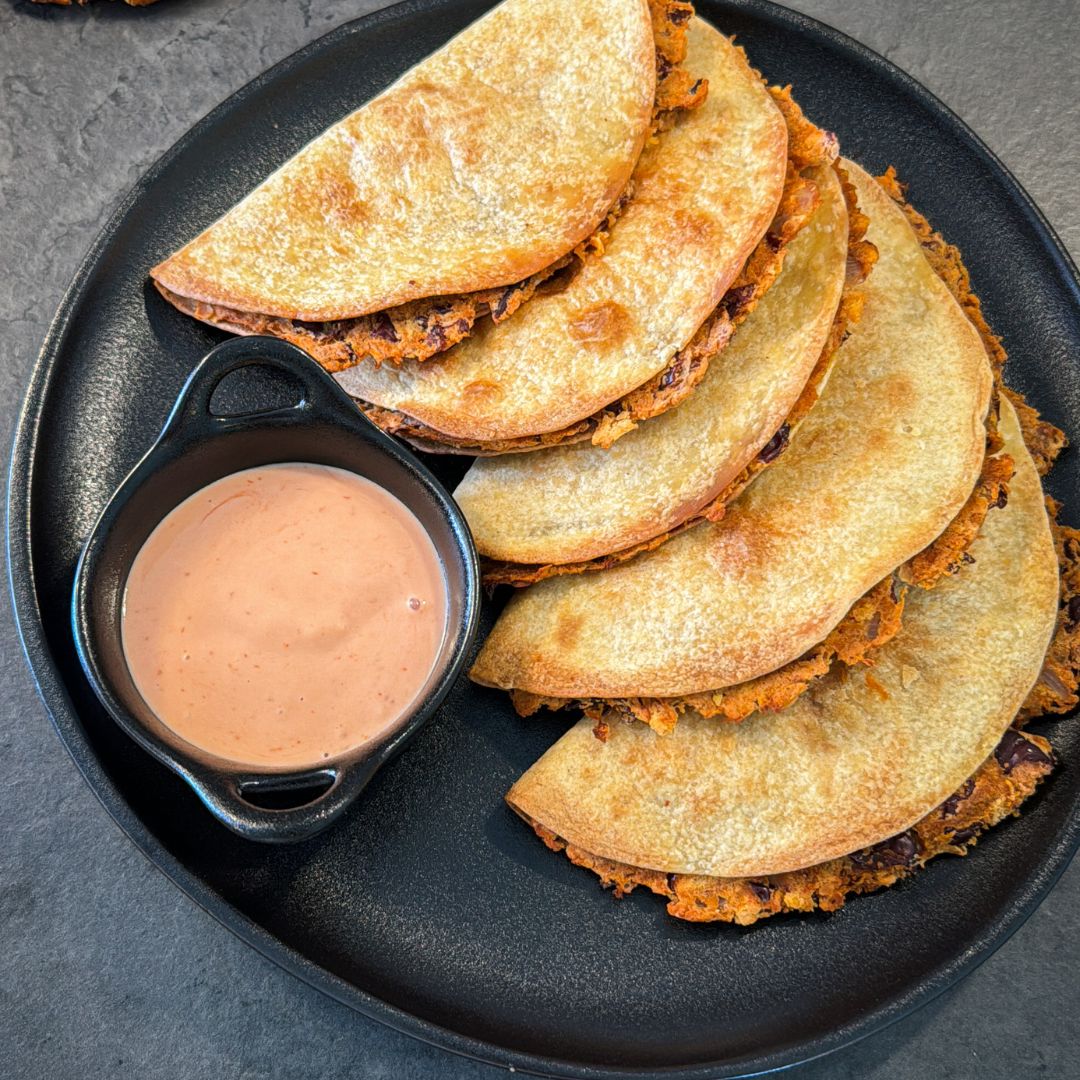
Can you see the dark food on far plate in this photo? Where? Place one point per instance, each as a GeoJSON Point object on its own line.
{"type": "Point", "coordinates": [455, 193]}
{"type": "Point", "coordinates": [83, 3]}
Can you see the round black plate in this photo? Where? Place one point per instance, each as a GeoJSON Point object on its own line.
{"type": "Point", "coordinates": [431, 907]}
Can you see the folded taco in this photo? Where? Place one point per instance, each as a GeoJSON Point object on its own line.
{"type": "Point", "coordinates": [451, 195]}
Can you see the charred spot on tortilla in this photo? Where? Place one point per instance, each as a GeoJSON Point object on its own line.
{"type": "Point", "coordinates": [605, 323]}
{"type": "Point", "coordinates": [483, 388]}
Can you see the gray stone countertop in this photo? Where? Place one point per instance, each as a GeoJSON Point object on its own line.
{"type": "Point", "coordinates": [106, 969]}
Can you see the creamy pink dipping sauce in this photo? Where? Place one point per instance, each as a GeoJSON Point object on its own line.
{"type": "Point", "coordinates": [284, 615]}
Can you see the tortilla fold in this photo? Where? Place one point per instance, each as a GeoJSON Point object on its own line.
{"type": "Point", "coordinates": [482, 165]}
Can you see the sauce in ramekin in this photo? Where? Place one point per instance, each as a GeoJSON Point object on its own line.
{"type": "Point", "coordinates": [284, 615]}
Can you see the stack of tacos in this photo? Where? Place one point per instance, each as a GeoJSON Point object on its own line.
{"type": "Point", "coordinates": [742, 447]}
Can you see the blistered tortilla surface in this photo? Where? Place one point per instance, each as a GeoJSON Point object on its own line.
{"type": "Point", "coordinates": [853, 762]}
{"type": "Point", "coordinates": [881, 465]}
{"type": "Point", "coordinates": [483, 164]}
{"type": "Point", "coordinates": [704, 193]}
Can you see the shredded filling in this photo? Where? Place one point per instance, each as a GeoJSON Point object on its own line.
{"type": "Point", "coordinates": [996, 791]}
{"type": "Point", "coordinates": [423, 328]}
{"type": "Point", "coordinates": [876, 618]}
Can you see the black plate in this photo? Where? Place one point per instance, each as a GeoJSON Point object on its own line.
{"type": "Point", "coordinates": [431, 907]}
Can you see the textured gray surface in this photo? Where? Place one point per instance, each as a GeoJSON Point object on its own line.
{"type": "Point", "coordinates": [107, 970]}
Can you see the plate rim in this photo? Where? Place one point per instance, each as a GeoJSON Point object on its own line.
{"type": "Point", "coordinates": [64, 718]}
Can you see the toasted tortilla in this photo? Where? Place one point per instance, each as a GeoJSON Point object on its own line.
{"type": "Point", "coordinates": [421, 328]}
{"type": "Point", "coordinates": [809, 147]}
{"type": "Point", "coordinates": [852, 763]}
{"type": "Point", "coordinates": [576, 503]}
{"type": "Point", "coordinates": [1008, 777]}
{"type": "Point", "coordinates": [678, 379]}
{"type": "Point", "coordinates": [485, 163]}
{"type": "Point", "coordinates": [879, 468]}
{"type": "Point", "coordinates": [874, 619]}
{"type": "Point", "coordinates": [704, 193]}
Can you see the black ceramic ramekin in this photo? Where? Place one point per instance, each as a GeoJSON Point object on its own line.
{"type": "Point", "coordinates": [197, 447]}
